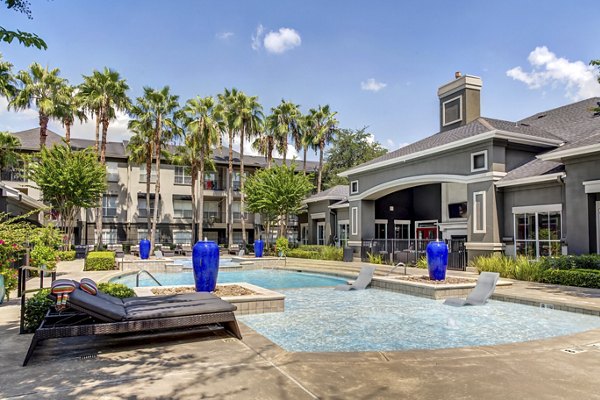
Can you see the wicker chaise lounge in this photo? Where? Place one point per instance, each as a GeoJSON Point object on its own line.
{"type": "Point", "coordinates": [102, 314]}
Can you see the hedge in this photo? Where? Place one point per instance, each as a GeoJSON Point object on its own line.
{"type": "Point", "coordinates": [68, 255]}
{"type": "Point", "coordinates": [36, 308]}
{"type": "Point", "coordinates": [100, 261]}
{"type": "Point", "coordinates": [573, 277]}
{"type": "Point", "coordinates": [316, 252]}
{"type": "Point", "coordinates": [585, 261]}
{"type": "Point", "coordinates": [116, 289]}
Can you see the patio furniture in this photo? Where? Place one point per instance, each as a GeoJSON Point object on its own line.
{"type": "Point", "coordinates": [187, 249]}
{"type": "Point", "coordinates": [362, 281]}
{"type": "Point", "coordinates": [158, 254]}
{"type": "Point", "coordinates": [234, 249]}
{"type": "Point", "coordinates": [102, 314]}
{"type": "Point", "coordinates": [483, 290]}
{"type": "Point", "coordinates": [135, 250]}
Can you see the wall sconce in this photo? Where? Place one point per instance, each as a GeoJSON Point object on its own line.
{"type": "Point", "coordinates": [391, 208]}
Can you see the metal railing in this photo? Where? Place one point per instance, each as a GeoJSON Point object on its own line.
{"type": "Point", "coordinates": [143, 271]}
{"type": "Point", "coordinates": [13, 175]}
{"type": "Point", "coordinates": [409, 251]}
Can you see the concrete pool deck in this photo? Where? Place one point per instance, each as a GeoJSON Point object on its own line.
{"type": "Point", "coordinates": [212, 365]}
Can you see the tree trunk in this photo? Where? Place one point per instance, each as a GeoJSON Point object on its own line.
{"type": "Point", "coordinates": [97, 145]}
{"type": "Point", "coordinates": [201, 198]}
{"type": "Point", "coordinates": [43, 129]}
{"type": "Point", "coordinates": [194, 177]}
{"type": "Point", "coordinates": [157, 184]}
{"type": "Point", "coordinates": [229, 215]}
{"type": "Point", "coordinates": [242, 203]}
{"type": "Point", "coordinates": [149, 156]}
{"type": "Point", "coordinates": [305, 149]}
{"type": "Point", "coordinates": [321, 146]}
{"type": "Point", "coordinates": [68, 133]}
{"type": "Point", "coordinates": [284, 151]}
{"type": "Point", "coordinates": [105, 122]}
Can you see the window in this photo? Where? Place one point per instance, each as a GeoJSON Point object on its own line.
{"type": "Point", "coordinates": [343, 233]}
{"type": "Point", "coordinates": [237, 237]}
{"type": "Point", "coordinates": [479, 161]}
{"type": "Point", "coordinates": [538, 233]}
{"type": "Point", "coordinates": [211, 212]}
{"type": "Point", "coordinates": [381, 229]}
{"type": "Point", "coordinates": [236, 185]}
{"type": "Point", "coordinates": [182, 208]}
{"type": "Point", "coordinates": [354, 220]}
{"type": "Point", "coordinates": [320, 233]}
{"type": "Point", "coordinates": [109, 205]}
{"type": "Point", "coordinates": [112, 172]}
{"type": "Point", "coordinates": [182, 176]}
{"type": "Point", "coordinates": [457, 210]}
{"type": "Point", "coordinates": [143, 234]}
{"type": "Point", "coordinates": [452, 111]}
{"type": "Point", "coordinates": [353, 187]}
{"type": "Point", "coordinates": [143, 174]}
{"type": "Point", "coordinates": [109, 236]}
{"type": "Point", "coordinates": [402, 229]}
{"type": "Point", "coordinates": [142, 207]}
{"type": "Point", "coordinates": [210, 181]}
{"type": "Point", "coordinates": [237, 211]}
{"type": "Point", "coordinates": [182, 237]}
{"type": "Point", "coordinates": [479, 212]}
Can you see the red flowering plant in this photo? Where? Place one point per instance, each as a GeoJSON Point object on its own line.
{"type": "Point", "coordinates": [14, 232]}
{"type": "Point", "coordinates": [8, 255]}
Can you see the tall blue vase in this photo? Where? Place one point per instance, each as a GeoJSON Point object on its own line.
{"type": "Point", "coordinates": [205, 260]}
{"type": "Point", "coordinates": [259, 247]}
{"type": "Point", "coordinates": [144, 249]}
{"type": "Point", "coordinates": [437, 260]}
{"type": "Point", "coordinates": [2, 290]}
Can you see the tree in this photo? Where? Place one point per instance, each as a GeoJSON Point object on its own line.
{"type": "Point", "coordinates": [265, 144]}
{"type": "Point", "coordinates": [41, 87]}
{"type": "Point", "coordinates": [307, 139]}
{"type": "Point", "coordinates": [25, 38]}
{"type": "Point", "coordinates": [7, 80]}
{"type": "Point", "coordinates": [69, 180]}
{"type": "Point", "coordinates": [248, 116]}
{"type": "Point", "coordinates": [161, 109]}
{"type": "Point", "coordinates": [203, 129]}
{"type": "Point", "coordinates": [68, 109]}
{"type": "Point", "coordinates": [8, 150]}
{"type": "Point", "coordinates": [348, 149]}
{"type": "Point", "coordinates": [276, 193]}
{"type": "Point", "coordinates": [89, 95]}
{"type": "Point", "coordinates": [226, 102]}
{"type": "Point", "coordinates": [596, 63]}
{"type": "Point", "coordinates": [284, 122]}
{"type": "Point", "coordinates": [322, 124]}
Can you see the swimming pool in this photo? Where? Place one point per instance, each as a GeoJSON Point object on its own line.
{"type": "Point", "coordinates": [268, 279]}
{"type": "Point", "coordinates": [326, 320]}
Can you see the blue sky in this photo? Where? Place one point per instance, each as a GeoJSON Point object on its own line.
{"type": "Point", "coordinates": [378, 63]}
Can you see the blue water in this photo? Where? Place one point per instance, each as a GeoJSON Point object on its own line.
{"type": "Point", "coordinates": [326, 320]}
{"type": "Point", "coordinates": [269, 279]}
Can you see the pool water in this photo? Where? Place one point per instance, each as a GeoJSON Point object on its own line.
{"type": "Point", "coordinates": [268, 279]}
{"type": "Point", "coordinates": [327, 320]}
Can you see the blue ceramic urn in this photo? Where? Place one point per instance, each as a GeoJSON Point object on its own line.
{"type": "Point", "coordinates": [205, 260]}
{"type": "Point", "coordinates": [144, 249]}
{"type": "Point", "coordinates": [259, 247]}
{"type": "Point", "coordinates": [437, 260]}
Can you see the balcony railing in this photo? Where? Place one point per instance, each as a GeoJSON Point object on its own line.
{"type": "Point", "coordinates": [188, 214]}
{"type": "Point", "coordinates": [13, 175]}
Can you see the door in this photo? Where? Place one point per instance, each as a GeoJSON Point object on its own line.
{"type": "Point", "coordinates": [321, 233]}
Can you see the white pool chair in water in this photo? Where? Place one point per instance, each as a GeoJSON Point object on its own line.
{"type": "Point", "coordinates": [158, 254]}
{"type": "Point", "coordinates": [483, 290]}
{"type": "Point", "coordinates": [362, 281]}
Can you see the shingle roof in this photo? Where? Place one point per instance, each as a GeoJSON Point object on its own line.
{"type": "Point", "coordinates": [533, 168]}
{"type": "Point", "coordinates": [339, 192]}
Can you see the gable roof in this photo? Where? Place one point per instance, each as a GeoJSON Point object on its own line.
{"type": "Point", "coordinates": [338, 193]}
{"type": "Point", "coordinates": [531, 172]}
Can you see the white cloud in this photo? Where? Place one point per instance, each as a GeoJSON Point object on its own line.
{"type": "Point", "coordinates": [391, 145]}
{"type": "Point", "coordinates": [224, 35]}
{"type": "Point", "coordinates": [372, 85]}
{"type": "Point", "coordinates": [281, 41]}
{"type": "Point", "coordinates": [257, 37]}
{"type": "Point", "coordinates": [578, 79]}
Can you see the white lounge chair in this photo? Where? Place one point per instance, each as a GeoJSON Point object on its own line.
{"type": "Point", "coordinates": [483, 290]}
{"type": "Point", "coordinates": [362, 281]}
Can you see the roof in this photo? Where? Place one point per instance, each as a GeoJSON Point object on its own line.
{"type": "Point", "coordinates": [472, 129]}
{"type": "Point", "coordinates": [533, 169]}
{"type": "Point", "coordinates": [339, 192]}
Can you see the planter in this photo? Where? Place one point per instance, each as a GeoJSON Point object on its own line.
{"type": "Point", "coordinates": [2, 290]}
{"type": "Point", "coordinates": [144, 249]}
{"type": "Point", "coordinates": [437, 260]}
{"type": "Point", "coordinates": [205, 262]}
{"type": "Point", "coordinates": [259, 247]}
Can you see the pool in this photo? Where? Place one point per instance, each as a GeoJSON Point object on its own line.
{"type": "Point", "coordinates": [268, 279]}
{"type": "Point", "coordinates": [223, 262]}
{"type": "Point", "coordinates": [326, 320]}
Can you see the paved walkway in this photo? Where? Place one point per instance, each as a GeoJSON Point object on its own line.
{"type": "Point", "coordinates": [209, 365]}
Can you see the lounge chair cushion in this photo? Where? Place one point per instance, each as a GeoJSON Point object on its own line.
{"type": "Point", "coordinates": [108, 297]}
{"type": "Point", "coordinates": [98, 305]}
{"type": "Point", "coordinates": [89, 286]}
{"type": "Point", "coordinates": [149, 311]}
{"type": "Point", "coordinates": [184, 297]}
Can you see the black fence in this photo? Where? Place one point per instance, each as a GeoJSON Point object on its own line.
{"type": "Point", "coordinates": [409, 251]}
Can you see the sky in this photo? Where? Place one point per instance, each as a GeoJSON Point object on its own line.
{"type": "Point", "coordinates": [377, 63]}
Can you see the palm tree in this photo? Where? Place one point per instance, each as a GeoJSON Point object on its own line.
{"type": "Point", "coordinates": [69, 109]}
{"type": "Point", "coordinates": [7, 80]}
{"type": "Point", "coordinates": [8, 150]}
{"type": "Point", "coordinates": [306, 140]}
{"type": "Point", "coordinates": [248, 120]}
{"type": "Point", "coordinates": [90, 96]}
{"type": "Point", "coordinates": [226, 103]}
{"type": "Point", "coordinates": [284, 121]}
{"type": "Point", "coordinates": [162, 107]}
{"type": "Point", "coordinates": [204, 127]}
{"type": "Point", "coordinates": [141, 146]}
{"type": "Point", "coordinates": [265, 144]}
{"type": "Point", "coordinates": [39, 86]}
{"type": "Point", "coordinates": [323, 124]}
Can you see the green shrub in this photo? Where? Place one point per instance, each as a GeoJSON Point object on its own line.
{"type": "Point", "coordinates": [100, 261]}
{"type": "Point", "coordinates": [301, 253]}
{"type": "Point", "coordinates": [375, 258]}
{"type": "Point", "coordinates": [573, 277]}
{"type": "Point", "coordinates": [421, 263]}
{"type": "Point", "coordinates": [36, 308]}
{"type": "Point", "coordinates": [43, 256]}
{"type": "Point", "coordinates": [316, 252]}
{"type": "Point", "coordinates": [68, 255]}
{"type": "Point", "coordinates": [332, 253]}
{"type": "Point", "coordinates": [520, 268]}
{"type": "Point", "coordinates": [585, 261]}
{"type": "Point", "coordinates": [282, 246]}
{"type": "Point", "coordinates": [116, 289]}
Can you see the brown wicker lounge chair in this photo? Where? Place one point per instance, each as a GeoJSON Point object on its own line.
{"type": "Point", "coordinates": [102, 314]}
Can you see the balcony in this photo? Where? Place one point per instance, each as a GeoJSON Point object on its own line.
{"type": "Point", "coordinates": [13, 175]}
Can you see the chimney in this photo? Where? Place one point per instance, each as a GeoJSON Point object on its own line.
{"type": "Point", "coordinates": [459, 101]}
